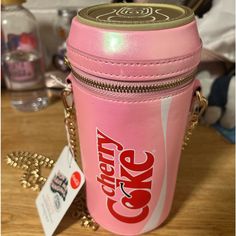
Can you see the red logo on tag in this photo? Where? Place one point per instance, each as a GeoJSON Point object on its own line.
{"type": "Point", "coordinates": [75, 180]}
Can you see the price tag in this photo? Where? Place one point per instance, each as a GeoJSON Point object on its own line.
{"type": "Point", "coordinates": [59, 191]}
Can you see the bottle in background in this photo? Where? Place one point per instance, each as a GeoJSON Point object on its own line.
{"type": "Point", "coordinates": [62, 28]}
{"type": "Point", "coordinates": [22, 60]}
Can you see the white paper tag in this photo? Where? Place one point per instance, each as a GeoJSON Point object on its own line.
{"type": "Point", "coordinates": [59, 191]}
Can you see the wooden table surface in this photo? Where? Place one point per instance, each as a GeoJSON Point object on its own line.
{"type": "Point", "coordinates": [204, 198]}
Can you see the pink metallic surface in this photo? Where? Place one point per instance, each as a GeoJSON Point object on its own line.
{"type": "Point", "coordinates": [151, 127]}
{"type": "Point", "coordinates": [134, 55]}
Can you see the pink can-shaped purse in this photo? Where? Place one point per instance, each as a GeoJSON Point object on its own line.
{"type": "Point", "coordinates": [133, 84]}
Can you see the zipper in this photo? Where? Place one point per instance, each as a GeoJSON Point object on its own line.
{"type": "Point", "coordinates": [134, 87]}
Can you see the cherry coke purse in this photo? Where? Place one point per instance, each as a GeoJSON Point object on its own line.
{"type": "Point", "coordinates": [134, 91]}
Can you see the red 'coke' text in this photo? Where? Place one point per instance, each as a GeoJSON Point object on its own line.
{"type": "Point", "coordinates": [134, 179]}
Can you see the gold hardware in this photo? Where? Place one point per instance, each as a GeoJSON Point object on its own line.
{"type": "Point", "coordinates": [67, 62]}
{"type": "Point", "coordinates": [81, 212]}
{"type": "Point", "coordinates": [70, 122]}
{"type": "Point", "coordinates": [135, 87]}
{"type": "Point", "coordinates": [33, 163]}
{"type": "Point", "coordinates": [199, 106]}
{"type": "Point", "coordinates": [65, 94]}
{"type": "Point", "coordinates": [202, 103]}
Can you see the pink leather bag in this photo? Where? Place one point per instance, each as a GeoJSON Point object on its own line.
{"type": "Point", "coordinates": [133, 82]}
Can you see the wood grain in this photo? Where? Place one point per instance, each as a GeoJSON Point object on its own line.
{"type": "Point", "coordinates": [204, 197]}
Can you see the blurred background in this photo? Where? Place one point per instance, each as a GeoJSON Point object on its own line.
{"type": "Point", "coordinates": [48, 16]}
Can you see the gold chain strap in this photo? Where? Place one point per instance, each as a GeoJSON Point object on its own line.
{"type": "Point", "coordinates": [70, 121]}
{"type": "Point", "coordinates": [199, 106]}
{"type": "Point", "coordinates": [32, 165]}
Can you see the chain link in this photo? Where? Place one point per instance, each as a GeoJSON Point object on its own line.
{"type": "Point", "coordinates": [199, 106]}
{"type": "Point", "coordinates": [70, 121]}
{"type": "Point", "coordinates": [32, 164]}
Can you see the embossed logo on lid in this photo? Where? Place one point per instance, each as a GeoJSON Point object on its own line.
{"type": "Point", "coordinates": [140, 16]}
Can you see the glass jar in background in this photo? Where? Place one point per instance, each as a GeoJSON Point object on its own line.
{"type": "Point", "coordinates": [22, 60]}
{"type": "Point", "coordinates": [62, 28]}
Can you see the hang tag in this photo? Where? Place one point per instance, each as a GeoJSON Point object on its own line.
{"type": "Point", "coordinates": [59, 191]}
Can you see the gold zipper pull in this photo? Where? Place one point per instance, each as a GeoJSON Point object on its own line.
{"type": "Point", "coordinates": [198, 109]}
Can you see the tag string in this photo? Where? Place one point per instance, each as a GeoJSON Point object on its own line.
{"type": "Point", "coordinates": [58, 81]}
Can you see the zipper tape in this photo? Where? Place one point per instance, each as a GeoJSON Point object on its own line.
{"type": "Point", "coordinates": [134, 87]}
{"type": "Point", "coordinates": [198, 106]}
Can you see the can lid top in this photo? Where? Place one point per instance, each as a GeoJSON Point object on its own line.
{"type": "Point", "coordinates": [136, 16]}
